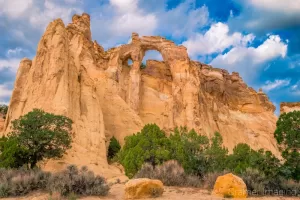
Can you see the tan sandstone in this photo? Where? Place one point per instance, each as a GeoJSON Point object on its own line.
{"type": "Point", "coordinates": [2, 121]}
{"type": "Point", "coordinates": [286, 107]}
{"type": "Point", "coordinates": [143, 188]}
{"type": "Point", "coordinates": [105, 97]}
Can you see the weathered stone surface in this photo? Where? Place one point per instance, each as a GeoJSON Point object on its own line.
{"type": "Point", "coordinates": [105, 97]}
{"type": "Point", "coordinates": [230, 185]}
{"type": "Point", "coordinates": [286, 107]}
{"type": "Point", "coordinates": [143, 188]}
{"type": "Point", "coordinates": [2, 121]}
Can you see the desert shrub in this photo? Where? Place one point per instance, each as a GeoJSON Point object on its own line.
{"type": "Point", "coordinates": [11, 154]}
{"type": "Point", "coordinates": [187, 147]}
{"type": "Point", "coordinates": [287, 135]}
{"type": "Point", "coordinates": [260, 184]}
{"type": "Point", "coordinates": [113, 148]}
{"type": "Point", "coordinates": [36, 136]}
{"type": "Point", "coordinates": [255, 180]}
{"type": "Point", "coordinates": [216, 154]}
{"type": "Point", "coordinates": [78, 182]}
{"type": "Point", "coordinates": [291, 187]}
{"type": "Point", "coordinates": [3, 110]}
{"type": "Point", "coordinates": [171, 173]}
{"type": "Point", "coordinates": [244, 157]}
{"type": "Point", "coordinates": [148, 146]}
{"type": "Point", "coordinates": [22, 181]}
{"type": "Point", "coordinates": [209, 179]}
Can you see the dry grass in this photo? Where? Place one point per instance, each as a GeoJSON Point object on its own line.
{"type": "Point", "coordinates": [20, 182]}
{"type": "Point", "coordinates": [209, 179]}
{"type": "Point", "coordinates": [170, 173]}
{"type": "Point", "coordinates": [69, 182]}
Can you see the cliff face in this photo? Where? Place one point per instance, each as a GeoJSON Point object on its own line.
{"type": "Point", "coordinates": [105, 97]}
{"type": "Point", "coordinates": [286, 107]}
{"type": "Point", "coordinates": [2, 121]}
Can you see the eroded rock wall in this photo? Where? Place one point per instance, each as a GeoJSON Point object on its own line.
{"type": "Point", "coordinates": [105, 96]}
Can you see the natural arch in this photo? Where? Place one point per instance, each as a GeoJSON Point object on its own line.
{"type": "Point", "coordinates": [175, 59]}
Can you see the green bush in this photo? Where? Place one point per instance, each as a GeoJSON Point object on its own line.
{"type": "Point", "coordinates": [216, 154]}
{"type": "Point", "coordinates": [34, 137]}
{"type": "Point", "coordinates": [171, 173]}
{"type": "Point", "coordinates": [287, 135]}
{"type": "Point", "coordinates": [3, 110]}
{"type": "Point", "coordinates": [11, 154]}
{"type": "Point", "coordinates": [187, 147]}
{"type": "Point", "coordinates": [113, 148]}
{"type": "Point", "coordinates": [148, 146]}
{"type": "Point", "coordinates": [79, 182]}
{"type": "Point", "coordinates": [244, 157]}
{"type": "Point", "coordinates": [203, 157]}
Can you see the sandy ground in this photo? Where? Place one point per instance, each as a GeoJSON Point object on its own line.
{"type": "Point", "coordinates": [171, 193]}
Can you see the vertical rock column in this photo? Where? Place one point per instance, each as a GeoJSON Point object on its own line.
{"type": "Point", "coordinates": [184, 89]}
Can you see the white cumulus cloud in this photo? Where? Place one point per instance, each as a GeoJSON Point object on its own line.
{"type": "Point", "coordinates": [246, 60]}
{"type": "Point", "coordinates": [216, 40]}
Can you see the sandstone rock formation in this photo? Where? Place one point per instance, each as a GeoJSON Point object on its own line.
{"type": "Point", "coordinates": [143, 188]}
{"type": "Point", "coordinates": [231, 186]}
{"type": "Point", "coordinates": [1, 122]}
{"type": "Point", "coordinates": [286, 107]}
{"type": "Point", "coordinates": [105, 96]}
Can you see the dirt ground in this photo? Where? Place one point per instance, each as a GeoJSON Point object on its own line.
{"type": "Point", "coordinates": [171, 193]}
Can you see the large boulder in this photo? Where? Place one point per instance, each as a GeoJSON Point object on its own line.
{"type": "Point", "coordinates": [143, 188]}
{"type": "Point", "coordinates": [230, 185]}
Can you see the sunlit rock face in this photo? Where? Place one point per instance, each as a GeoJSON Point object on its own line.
{"type": "Point", "coordinates": [286, 107]}
{"type": "Point", "coordinates": [105, 96]}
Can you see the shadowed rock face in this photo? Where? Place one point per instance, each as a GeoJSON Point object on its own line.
{"type": "Point", "coordinates": [104, 96]}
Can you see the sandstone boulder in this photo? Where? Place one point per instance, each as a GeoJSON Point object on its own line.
{"type": "Point", "coordinates": [230, 185]}
{"type": "Point", "coordinates": [143, 188]}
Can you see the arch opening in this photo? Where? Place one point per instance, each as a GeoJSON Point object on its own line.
{"type": "Point", "coordinates": [151, 55]}
{"type": "Point", "coordinates": [156, 86]}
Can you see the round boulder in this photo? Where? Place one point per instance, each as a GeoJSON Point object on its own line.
{"type": "Point", "coordinates": [230, 186]}
{"type": "Point", "coordinates": [143, 188]}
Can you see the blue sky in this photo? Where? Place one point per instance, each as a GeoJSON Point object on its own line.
{"type": "Point", "coordinates": [260, 39]}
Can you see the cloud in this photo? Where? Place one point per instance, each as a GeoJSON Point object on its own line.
{"type": "Point", "coordinates": [11, 63]}
{"type": "Point", "coordinates": [183, 20]}
{"type": "Point", "coordinates": [279, 6]}
{"type": "Point", "coordinates": [114, 22]}
{"type": "Point", "coordinates": [37, 13]}
{"type": "Point", "coordinates": [267, 15]}
{"type": "Point", "coordinates": [17, 52]}
{"type": "Point", "coordinates": [295, 89]}
{"type": "Point", "coordinates": [5, 92]}
{"type": "Point", "coordinates": [276, 84]}
{"type": "Point", "coordinates": [14, 8]}
{"type": "Point", "coordinates": [216, 40]}
{"type": "Point", "coordinates": [247, 60]}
